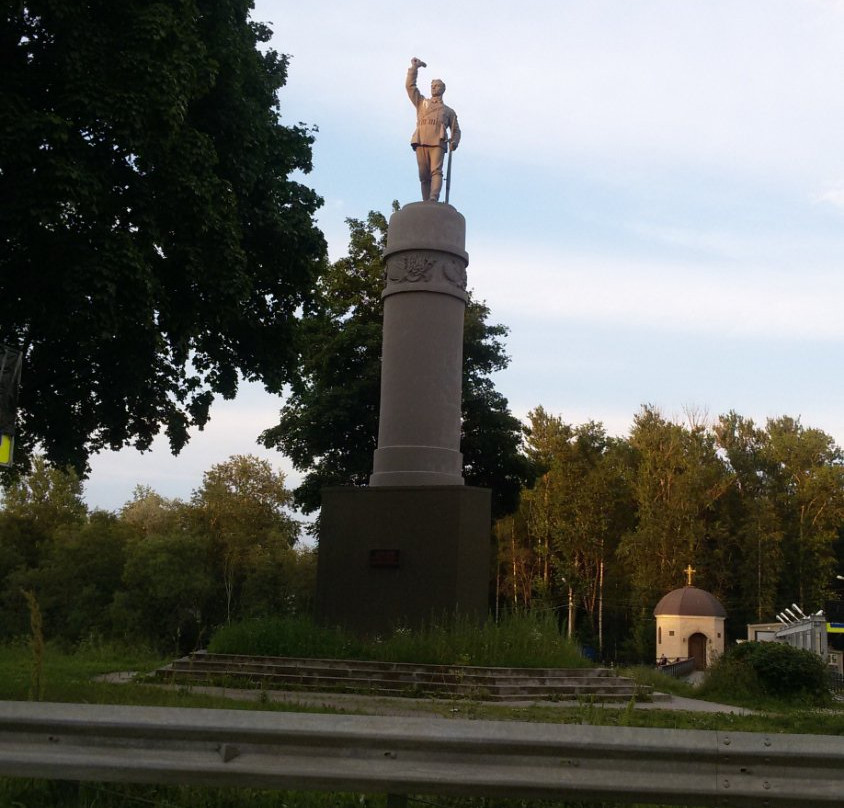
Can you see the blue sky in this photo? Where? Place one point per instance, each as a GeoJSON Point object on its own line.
{"type": "Point", "coordinates": [654, 196]}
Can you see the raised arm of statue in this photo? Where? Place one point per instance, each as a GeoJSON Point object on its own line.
{"type": "Point", "coordinates": [410, 82]}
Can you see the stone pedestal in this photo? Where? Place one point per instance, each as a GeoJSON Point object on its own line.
{"type": "Point", "coordinates": [402, 556]}
{"type": "Point", "coordinates": [422, 359]}
{"type": "Point", "coordinates": [415, 545]}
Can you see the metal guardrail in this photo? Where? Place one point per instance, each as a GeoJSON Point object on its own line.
{"type": "Point", "coordinates": [430, 756]}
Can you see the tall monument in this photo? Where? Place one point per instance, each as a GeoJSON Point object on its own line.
{"type": "Point", "coordinates": [414, 545]}
{"type": "Point", "coordinates": [422, 355]}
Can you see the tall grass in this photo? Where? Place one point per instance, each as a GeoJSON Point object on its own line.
{"type": "Point", "coordinates": [285, 636]}
{"type": "Point", "coordinates": [519, 640]}
{"type": "Point", "coordinates": [36, 642]}
{"type": "Point", "coordinates": [68, 675]}
{"type": "Point", "coordinates": [25, 793]}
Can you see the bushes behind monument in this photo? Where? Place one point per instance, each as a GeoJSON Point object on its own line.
{"type": "Point", "coordinates": [517, 640]}
{"type": "Point", "coordinates": [769, 669]}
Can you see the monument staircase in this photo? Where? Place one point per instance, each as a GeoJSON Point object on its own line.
{"type": "Point", "coordinates": [402, 679]}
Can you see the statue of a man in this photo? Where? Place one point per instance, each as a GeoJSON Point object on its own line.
{"type": "Point", "coordinates": [436, 130]}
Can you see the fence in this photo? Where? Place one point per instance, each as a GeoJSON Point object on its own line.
{"type": "Point", "coordinates": [678, 669]}
{"type": "Point", "coordinates": [425, 756]}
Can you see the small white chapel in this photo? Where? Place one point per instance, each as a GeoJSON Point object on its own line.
{"type": "Point", "coordinates": [689, 624]}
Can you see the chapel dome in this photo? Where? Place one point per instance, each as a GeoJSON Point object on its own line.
{"type": "Point", "coordinates": [689, 601]}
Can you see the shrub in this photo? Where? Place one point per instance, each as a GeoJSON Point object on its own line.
{"type": "Point", "coordinates": [773, 669]}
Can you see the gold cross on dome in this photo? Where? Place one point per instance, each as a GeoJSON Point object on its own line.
{"type": "Point", "coordinates": [689, 572]}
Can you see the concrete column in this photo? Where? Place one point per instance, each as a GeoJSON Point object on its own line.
{"type": "Point", "coordinates": [422, 357]}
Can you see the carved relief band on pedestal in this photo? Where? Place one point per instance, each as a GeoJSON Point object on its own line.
{"type": "Point", "coordinates": [425, 269]}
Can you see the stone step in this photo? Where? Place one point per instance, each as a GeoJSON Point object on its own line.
{"type": "Point", "coordinates": [375, 665]}
{"type": "Point", "coordinates": [485, 692]}
{"type": "Point", "coordinates": [450, 678]}
{"type": "Point", "coordinates": [407, 679]}
{"type": "Point", "coordinates": [305, 678]}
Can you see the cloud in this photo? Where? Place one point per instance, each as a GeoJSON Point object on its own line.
{"type": "Point", "coordinates": [684, 297]}
{"type": "Point", "coordinates": [753, 86]}
{"type": "Point", "coordinates": [832, 196]}
{"type": "Point", "coordinates": [233, 429]}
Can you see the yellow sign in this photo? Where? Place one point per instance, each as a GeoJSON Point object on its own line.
{"type": "Point", "coordinates": [7, 445]}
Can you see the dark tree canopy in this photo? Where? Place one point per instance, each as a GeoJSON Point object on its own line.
{"type": "Point", "coordinates": [329, 424]}
{"type": "Point", "coordinates": [153, 247]}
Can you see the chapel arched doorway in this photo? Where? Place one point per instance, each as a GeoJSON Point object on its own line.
{"type": "Point", "coordinates": [697, 650]}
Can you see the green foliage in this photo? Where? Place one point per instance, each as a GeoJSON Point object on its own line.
{"type": "Point", "coordinates": [751, 554]}
{"type": "Point", "coordinates": [783, 512]}
{"type": "Point", "coordinates": [67, 794]}
{"type": "Point", "coordinates": [284, 636]}
{"type": "Point", "coordinates": [640, 642]}
{"type": "Point", "coordinates": [150, 514]}
{"type": "Point", "coordinates": [168, 584]}
{"type": "Point", "coordinates": [154, 245]}
{"type": "Point", "coordinates": [240, 509]}
{"type": "Point", "coordinates": [519, 640]}
{"type": "Point", "coordinates": [807, 491]}
{"type": "Point", "coordinates": [570, 521]}
{"type": "Point", "coordinates": [769, 669]}
{"type": "Point", "coordinates": [67, 675]}
{"type": "Point", "coordinates": [78, 578]}
{"type": "Point", "coordinates": [329, 424]}
{"type": "Point", "coordinates": [758, 512]}
{"type": "Point", "coordinates": [36, 642]}
{"type": "Point", "coordinates": [50, 497]}
{"type": "Point", "coordinates": [677, 480]}
{"type": "Point", "coordinates": [732, 682]}
{"type": "Point", "coordinates": [161, 571]}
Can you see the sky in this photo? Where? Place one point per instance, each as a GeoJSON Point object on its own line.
{"type": "Point", "coordinates": [653, 191]}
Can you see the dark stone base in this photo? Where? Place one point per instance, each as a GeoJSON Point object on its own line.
{"type": "Point", "coordinates": [391, 556]}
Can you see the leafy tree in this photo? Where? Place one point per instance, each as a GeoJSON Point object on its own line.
{"type": "Point", "coordinates": [23, 544]}
{"type": "Point", "coordinates": [150, 514]}
{"type": "Point", "coordinates": [677, 481]}
{"type": "Point", "coordinates": [47, 496]}
{"type": "Point", "coordinates": [491, 437]}
{"type": "Point", "coordinates": [329, 423]}
{"type": "Point", "coordinates": [152, 244]}
{"type": "Point", "coordinates": [241, 506]}
{"type": "Point", "coordinates": [807, 475]}
{"type": "Point", "coordinates": [278, 581]}
{"type": "Point", "coordinates": [517, 564]}
{"type": "Point", "coordinates": [39, 509]}
{"type": "Point", "coordinates": [548, 437]}
{"type": "Point", "coordinates": [749, 561]}
{"type": "Point", "coordinates": [78, 581]}
{"type": "Point", "coordinates": [168, 590]}
{"type": "Point", "coordinates": [575, 513]}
